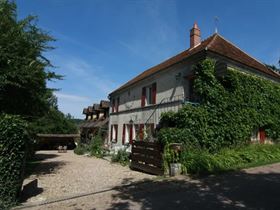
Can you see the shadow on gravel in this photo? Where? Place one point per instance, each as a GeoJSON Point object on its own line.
{"type": "Point", "coordinates": [29, 190]}
{"type": "Point", "coordinates": [38, 167]}
{"type": "Point", "coordinates": [40, 156]}
{"type": "Point", "coordinates": [228, 191]}
{"type": "Point", "coordinates": [47, 167]}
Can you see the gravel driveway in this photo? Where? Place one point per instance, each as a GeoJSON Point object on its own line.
{"type": "Point", "coordinates": [67, 174]}
{"type": "Point", "coordinates": [255, 188]}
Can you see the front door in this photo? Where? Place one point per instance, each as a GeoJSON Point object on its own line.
{"type": "Point", "coordinates": [262, 135]}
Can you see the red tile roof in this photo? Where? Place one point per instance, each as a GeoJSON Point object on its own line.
{"type": "Point", "coordinates": [215, 43]}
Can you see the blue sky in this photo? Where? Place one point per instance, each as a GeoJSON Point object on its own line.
{"type": "Point", "coordinates": [103, 43]}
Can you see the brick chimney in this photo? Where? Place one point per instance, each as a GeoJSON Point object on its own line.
{"type": "Point", "coordinates": [194, 36]}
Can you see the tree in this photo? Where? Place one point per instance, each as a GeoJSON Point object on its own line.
{"type": "Point", "coordinates": [273, 67]}
{"type": "Point", "coordinates": [23, 67]}
{"type": "Point", "coordinates": [24, 72]}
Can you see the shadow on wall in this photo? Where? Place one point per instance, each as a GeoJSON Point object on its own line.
{"type": "Point", "coordinates": [228, 191]}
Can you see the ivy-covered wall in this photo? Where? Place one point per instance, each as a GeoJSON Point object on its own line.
{"type": "Point", "coordinates": [230, 108]}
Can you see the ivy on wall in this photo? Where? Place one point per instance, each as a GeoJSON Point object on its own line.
{"type": "Point", "coordinates": [231, 107]}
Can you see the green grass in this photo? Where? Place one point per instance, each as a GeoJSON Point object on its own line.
{"type": "Point", "coordinates": [203, 162]}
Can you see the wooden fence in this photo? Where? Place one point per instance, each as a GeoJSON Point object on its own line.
{"type": "Point", "coordinates": [147, 157]}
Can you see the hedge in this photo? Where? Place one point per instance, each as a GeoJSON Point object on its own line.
{"type": "Point", "coordinates": [203, 162]}
{"type": "Point", "coordinates": [13, 141]}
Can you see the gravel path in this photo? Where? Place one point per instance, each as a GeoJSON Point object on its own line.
{"type": "Point", "coordinates": [255, 188]}
{"type": "Point", "coordinates": [67, 174]}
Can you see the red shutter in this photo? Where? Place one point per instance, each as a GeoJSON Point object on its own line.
{"type": "Point", "coordinates": [262, 135]}
{"type": "Point", "coordinates": [154, 93]}
{"type": "Point", "coordinates": [111, 133]}
{"type": "Point", "coordinates": [130, 134]}
{"type": "Point", "coordinates": [118, 103]}
{"type": "Point", "coordinates": [143, 97]}
{"type": "Point", "coordinates": [116, 128]}
{"type": "Point", "coordinates": [113, 106]}
{"type": "Point", "coordinates": [141, 132]}
{"type": "Point", "coordinates": [123, 134]}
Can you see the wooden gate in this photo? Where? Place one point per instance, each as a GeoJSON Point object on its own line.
{"type": "Point", "coordinates": [147, 157]}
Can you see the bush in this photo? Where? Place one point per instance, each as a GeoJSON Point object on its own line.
{"type": "Point", "coordinates": [13, 141]}
{"type": "Point", "coordinates": [80, 149]}
{"type": "Point", "coordinates": [203, 162]}
{"type": "Point", "coordinates": [96, 146]}
{"type": "Point", "coordinates": [121, 157]}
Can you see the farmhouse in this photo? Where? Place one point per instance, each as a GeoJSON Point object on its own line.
{"type": "Point", "coordinates": [96, 120]}
{"type": "Point", "coordinates": [136, 106]}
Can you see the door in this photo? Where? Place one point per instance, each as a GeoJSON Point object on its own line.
{"type": "Point", "coordinates": [262, 135]}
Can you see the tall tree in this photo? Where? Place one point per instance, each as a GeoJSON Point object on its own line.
{"type": "Point", "coordinates": [23, 68]}
{"type": "Point", "coordinates": [24, 72]}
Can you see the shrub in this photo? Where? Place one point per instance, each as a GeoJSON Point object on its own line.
{"type": "Point", "coordinates": [203, 162]}
{"type": "Point", "coordinates": [121, 157]}
{"type": "Point", "coordinates": [80, 149]}
{"type": "Point", "coordinates": [96, 146]}
{"type": "Point", "coordinates": [13, 141]}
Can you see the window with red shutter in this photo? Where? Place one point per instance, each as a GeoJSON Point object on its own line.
{"type": "Point", "coordinates": [123, 134]}
{"type": "Point", "coordinates": [111, 132]}
{"type": "Point", "coordinates": [154, 93]}
{"type": "Point", "coordinates": [143, 97]}
{"type": "Point", "coordinates": [113, 105]}
{"type": "Point", "coordinates": [116, 133]}
{"type": "Point", "coordinates": [118, 104]}
{"type": "Point", "coordinates": [130, 133]}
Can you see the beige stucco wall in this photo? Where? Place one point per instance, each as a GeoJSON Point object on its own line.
{"type": "Point", "coordinates": [171, 87]}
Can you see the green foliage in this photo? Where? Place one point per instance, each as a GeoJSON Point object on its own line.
{"type": "Point", "coordinates": [230, 108]}
{"type": "Point", "coordinates": [80, 149]}
{"type": "Point", "coordinates": [13, 142]}
{"type": "Point", "coordinates": [54, 122]}
{"type": "Point", "coordinates": [23, 73]}
{"type": "Point", "coordinates": [121, 157]}
{"type": "Point", "coordinates": [96, 146]}
{"type": "Point", "coordinates": [203, 162]}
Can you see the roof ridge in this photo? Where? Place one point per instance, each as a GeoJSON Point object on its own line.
{"type": "Point", "coordinates": [214, 36]}
{"type": "Point", "coordinates": [243, 51]}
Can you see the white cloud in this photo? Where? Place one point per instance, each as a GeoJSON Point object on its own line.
{"type": "Point", "coordinates": [83, 85]}
{"type": "Point", "coordinates": [71, 97]}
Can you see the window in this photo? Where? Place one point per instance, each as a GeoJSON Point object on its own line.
{"type": "Point", "coordinates": [128, 133]}
{"type": "Point", "coordinates": [148, 95]}
{"type": "Point", "coordinates": [114, 133]}
{"type": "Point", "coordinates": [118, 104]}
{"type": "Point", "coordinates": [115, 105]}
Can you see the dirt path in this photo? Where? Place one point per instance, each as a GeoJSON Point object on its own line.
{"type": "Point", "coordinates": [67, 174]}
{"type": "Point", "coordinates": [255, 188]}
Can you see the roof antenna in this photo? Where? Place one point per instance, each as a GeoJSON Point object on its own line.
{"type": "Point", "coordinates": [216, 20]}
